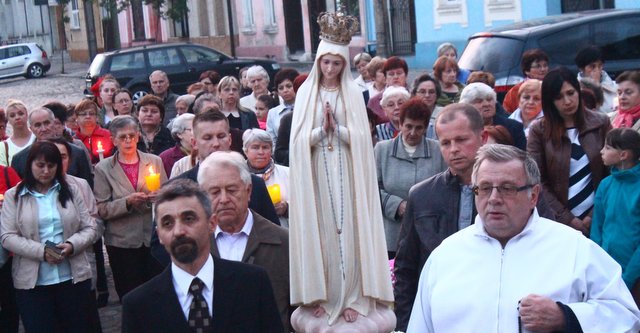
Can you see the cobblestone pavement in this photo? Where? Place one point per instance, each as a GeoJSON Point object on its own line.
{"type": "Point", "coordinates": [67, 87]}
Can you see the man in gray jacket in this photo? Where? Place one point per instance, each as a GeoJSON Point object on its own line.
{"type": "Point", "coordinates": [438, 206]}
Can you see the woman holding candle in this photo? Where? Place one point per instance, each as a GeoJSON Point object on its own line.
{"type": "Point", "coordinates": [21, 137]}
{"type": "Point", "coordinates": [96, 139]}
{"type": "Point", "coordinates": [124, 201]}
{"type": "Point", "coordinates": [257, 146]}
{"type": "Point", "coordinates": [52, 283]}
{"type": "Point", "coordinates": [155, 138]}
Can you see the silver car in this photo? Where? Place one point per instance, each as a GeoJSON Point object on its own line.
{"type": "Point", "coordinates": [28, 60]}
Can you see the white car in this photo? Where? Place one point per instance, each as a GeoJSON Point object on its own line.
{"type": "Point", "coordinates": [28, 60]}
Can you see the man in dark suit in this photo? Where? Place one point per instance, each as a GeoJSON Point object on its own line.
{"type": "Point", "coordinates": [198, 293]}
{"type": "Point", "coordinates": [41, 124]}
{"type": "Point", "coordinates": [242, 234]}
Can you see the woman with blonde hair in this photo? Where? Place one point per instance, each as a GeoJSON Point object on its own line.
{"type": "Point", "coordinates": [21, 136]}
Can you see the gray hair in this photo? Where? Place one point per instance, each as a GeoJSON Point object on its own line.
{"type": "Point", "coordinates": [255, 134]}
{"type": "Point", "coordinates": [224, 159]}
{"type": "Point", "coordinates": [188, 99]}
{"type": "Point", "coordinates": [444, 47]}
{"type": "Point", "coordinates": [505, 153]}
{"type": "Point", "coordinates": [476, 90]}
{"type": "Point", "coordinates": [120, 122]}
{"type": "Point", "coordinates": [394, 91]}
{"type": "Point", "coordinates": [258, 71]}
{"type": "Point", "coordinates": [180, 124]}
{"type": "Point", "coordinates": [182, 188]}
{"type": "Point", "coordinates": [159, 72]}
{"type": "Point", "coordinates": [206, 97]}
{"type": "Point", "coordinates": [38, 109]}
{"type": "Point", "coordinates": [364, 56]}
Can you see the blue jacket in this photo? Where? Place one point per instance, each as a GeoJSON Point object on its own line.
{"type": "Point", "coordinates": [616, 220]}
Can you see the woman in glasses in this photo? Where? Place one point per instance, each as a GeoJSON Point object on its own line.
{"type": "Point", "coordinates": [124, 197]}
{"type": "Point", "coordinates": [96, 139]}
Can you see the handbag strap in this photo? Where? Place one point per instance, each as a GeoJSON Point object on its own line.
{"type": "Point", "coordinates": [6, 177]}
{"type": "Point", "coordinates": [6, 151]}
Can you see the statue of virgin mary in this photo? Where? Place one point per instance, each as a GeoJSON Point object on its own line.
{"type": "Point", "coordinates": [338, 256]}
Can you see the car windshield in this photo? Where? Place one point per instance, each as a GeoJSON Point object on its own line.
{"type": "Point", "coordinates": [491, 54]}
{"type": "Point", "coordinates": [94, 69]}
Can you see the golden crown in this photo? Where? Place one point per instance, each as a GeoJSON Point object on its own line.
{"type": "Point", "coordinates": [337, 27]}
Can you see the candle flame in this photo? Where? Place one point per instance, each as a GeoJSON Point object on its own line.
{"type": "Point", "coordinates": [100, 145]}
{"type": "Point", "coordinates": [151, 172]}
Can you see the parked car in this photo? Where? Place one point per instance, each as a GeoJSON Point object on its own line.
{"type": "Point", "coordinates": [616, 32]}
{"type": "Point", "coordinates": [183, 63]}
{"type": "Point", "coordinates": [28, 60]}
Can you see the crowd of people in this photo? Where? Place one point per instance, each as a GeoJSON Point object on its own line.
{"type": "Point", "coordinates": [382, 170]}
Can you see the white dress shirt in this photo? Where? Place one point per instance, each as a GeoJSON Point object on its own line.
{"type": "Point", "coordinates": [182, 281]}
{"type": "Point", "coordinates": [232, 246]}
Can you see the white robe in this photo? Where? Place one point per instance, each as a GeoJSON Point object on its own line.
{"type": "Point", "coordinates": [471, 284]}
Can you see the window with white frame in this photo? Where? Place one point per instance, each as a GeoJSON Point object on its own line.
{"type": "Point", "coordinates": [270, 24]}
{"type": "Point", "coordinates": [450, 11]}
{"type": "Point", "coordinates": [74, 15]}
{"type": "Point", "coordinates": [249, 26]}
{"type": "Point", "coordinates": [501, 10]}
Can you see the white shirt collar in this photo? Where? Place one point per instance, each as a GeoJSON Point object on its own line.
{"type": "Point", "coordinates": [246, 229]}
{"type": "Point", "coordinates": [182, 280]}
{"type": "Point", "coordinates": [234, 113]}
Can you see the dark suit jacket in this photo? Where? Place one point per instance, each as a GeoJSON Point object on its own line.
{"type": "Point", "coordinates": [79, 164]}
{"type": "Point", "coordinates": [281, 152]}
{"type": "Point", "coordinates": [268, 247]}
{"type": "Point", "coordinates": [259, 202]}
{"type": "Point", "coordinates": [242, 302]}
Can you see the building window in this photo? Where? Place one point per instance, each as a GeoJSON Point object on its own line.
{"type": "Point", "coordinates": [270, 23]}
{"type": "Point", "coordinates": [137, 14]}
{"type": "Point", "coordinates": [350, 7]}
{"type": "Point", "coordinates": [74, 15]}
{"type": "Point", "coordinates": [249, 26]}
{"type": "Point", "coordinates": [450, 11]}
{"type": "Point", "coordinates": [501, 10]}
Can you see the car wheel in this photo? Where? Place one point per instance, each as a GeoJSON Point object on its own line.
{"type": "Point", "coordinates": [138, 93]}
{"type": "Point", "coordinates": [35, 71]}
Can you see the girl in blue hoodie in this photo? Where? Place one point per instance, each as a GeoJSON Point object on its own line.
{"type": "Point", "coordinates": [616, 214]}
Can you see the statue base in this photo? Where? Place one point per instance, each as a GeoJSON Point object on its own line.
{"type": "Point", "coordinates": [380, 320]}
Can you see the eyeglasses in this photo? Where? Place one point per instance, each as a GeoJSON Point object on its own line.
{"type": "Point", "coordinates": [126, 137]}
{"type": "Point", "coordinates": [90, 114]}
{"type": "Point", "coordinates": [505, 190]}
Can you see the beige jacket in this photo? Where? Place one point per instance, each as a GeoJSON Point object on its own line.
{"type": "Point", "coordinates": [125, 227]}
{"type": "Point", "coordinates": [19, 234]}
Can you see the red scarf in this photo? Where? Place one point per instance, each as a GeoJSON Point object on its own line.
{"type": "Point", "coordinates": [626, 118]}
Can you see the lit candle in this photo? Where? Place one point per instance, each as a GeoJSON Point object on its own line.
{"type": "Point", "coordinates": [100, 150]}
{"type": "Point", "coordinates": [274, 193]}
{"type": "Point", "coordinates": [152, 180]}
